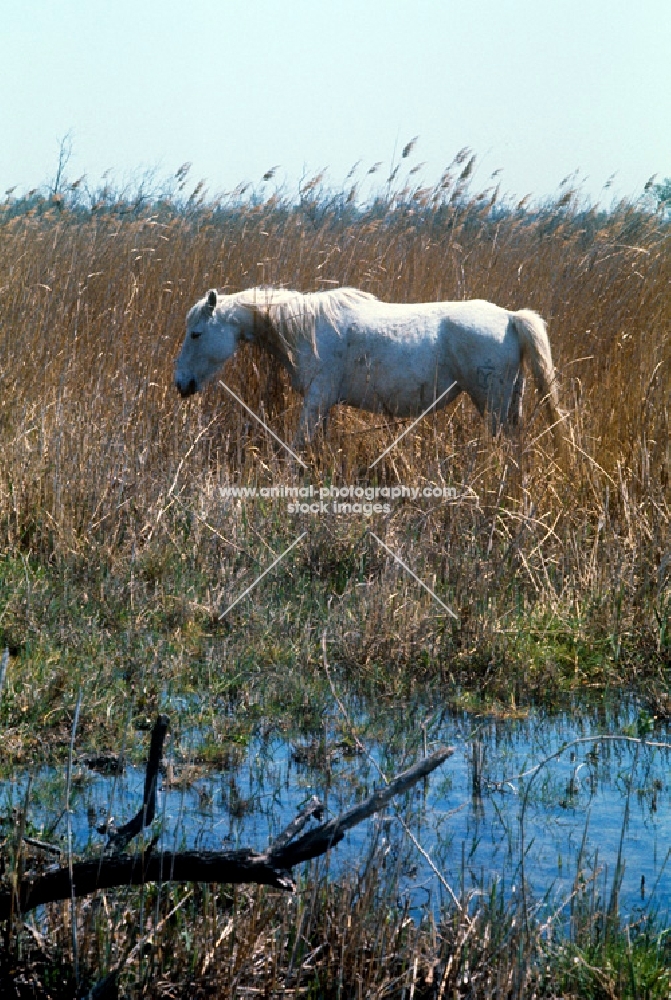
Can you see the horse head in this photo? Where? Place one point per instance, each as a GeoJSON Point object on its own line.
{"type": "Point", "coordinates": [212, 335]}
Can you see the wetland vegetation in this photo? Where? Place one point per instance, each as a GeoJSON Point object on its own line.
{"type": "Point", "coordinates": [121, 551]}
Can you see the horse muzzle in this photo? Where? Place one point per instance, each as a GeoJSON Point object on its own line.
{"type": "Point", "coordinates": [186, 388]}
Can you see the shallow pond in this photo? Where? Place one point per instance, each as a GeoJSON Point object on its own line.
{"type": "Point", "coordinates": [502, 808]}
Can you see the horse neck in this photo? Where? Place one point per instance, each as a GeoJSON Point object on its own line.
{"type": "Point", "coordinates": [263, 333]}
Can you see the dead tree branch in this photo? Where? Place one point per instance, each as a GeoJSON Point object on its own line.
{"type": "Point", "coordinates": [272, 867]}
{"type": "Point", "coordinates": [118, 839]}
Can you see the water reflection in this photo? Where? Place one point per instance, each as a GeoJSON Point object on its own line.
{"type": "Point", "coordinates": [510, 806]}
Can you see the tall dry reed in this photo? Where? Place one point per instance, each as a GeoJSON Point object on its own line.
{"type": "Point", "coordinates": [102, 461]}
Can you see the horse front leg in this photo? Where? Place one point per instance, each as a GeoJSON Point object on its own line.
{"type": "Point", "coordinates": [315, 411]}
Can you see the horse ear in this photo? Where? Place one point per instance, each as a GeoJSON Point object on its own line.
{"type": "Point", "coordinates": [211, 300]}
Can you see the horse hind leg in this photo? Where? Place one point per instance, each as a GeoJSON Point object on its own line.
{"type": "Point", "coordinates": [515, 401]}
{"type": "Point", "coordinates": [506, 410]}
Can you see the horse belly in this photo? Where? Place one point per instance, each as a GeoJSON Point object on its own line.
{"type": "Point", "coordinates": [401, 389]}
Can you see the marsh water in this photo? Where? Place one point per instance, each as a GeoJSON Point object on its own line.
{"type": "Point", "coordinates": [540, 802]}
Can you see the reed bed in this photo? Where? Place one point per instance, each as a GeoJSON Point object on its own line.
{"type": "Point", "coordinates": [112, 482]}
{"type": "Point", "coordinates": [354, 938]}
{"type": "Point", "coordinates": [120, 552]}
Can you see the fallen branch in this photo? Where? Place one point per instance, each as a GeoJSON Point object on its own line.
{"type": "Point", "coordinates": [118, 839]}
{"type": "Point", "coordinates": [272, 867]}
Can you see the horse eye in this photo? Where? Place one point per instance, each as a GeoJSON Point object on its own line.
{"type": "Point", "coordinates": [195, 334]}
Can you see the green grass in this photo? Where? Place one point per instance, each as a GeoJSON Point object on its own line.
{"type": "Point", "coordinates": [146, 636]}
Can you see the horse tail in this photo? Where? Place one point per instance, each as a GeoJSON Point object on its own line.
{"type": "Point", "coordinates": [534, 345]}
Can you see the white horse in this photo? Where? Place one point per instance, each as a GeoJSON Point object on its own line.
{"type": "Point", "coordinates": [346, 346]}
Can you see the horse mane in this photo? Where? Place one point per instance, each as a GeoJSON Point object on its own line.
{"type": "Point", "coordinates": [286, 319]}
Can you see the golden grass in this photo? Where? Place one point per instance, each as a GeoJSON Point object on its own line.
{"type": "Point", "coordinates": [102, 464]}
{"type": "Point", "coordinates": [352, 939]}
{"type": "Point", "coordinates": [110, 483]}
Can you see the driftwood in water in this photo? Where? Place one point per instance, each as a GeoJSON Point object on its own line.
{"type": "Point", "coordinates": [271, 867]}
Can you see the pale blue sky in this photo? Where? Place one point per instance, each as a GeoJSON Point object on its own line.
{"type": "Point", "coordinates": [538, 88]}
